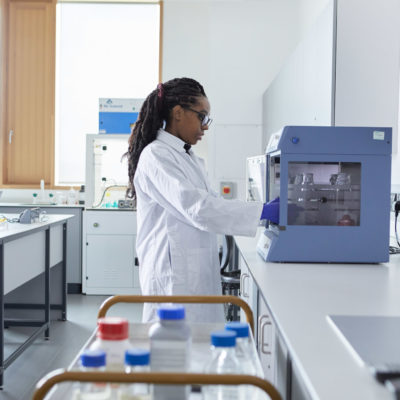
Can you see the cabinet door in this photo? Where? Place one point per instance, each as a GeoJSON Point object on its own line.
{"type": "Point", "coordinates": [248, 290]}
{"type": "Point", "coordinates": [266, 340]}
{"type": "Point", "coordinates": [298, 389]}
{"type": "Point", "coordinates": [110, 261]}
{"type": "Point", "coordinates": [282, 367]}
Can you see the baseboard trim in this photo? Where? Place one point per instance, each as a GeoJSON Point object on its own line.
{"type": "Point", "coordinates": [74, 288]}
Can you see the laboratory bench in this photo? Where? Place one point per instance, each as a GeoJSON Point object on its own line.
{"type": "Point", "coordinates": [31, 252]}
{"type": "Point", "coordinates": [301, 350]}
{"type": "Point", "coordinates": [74, 236]}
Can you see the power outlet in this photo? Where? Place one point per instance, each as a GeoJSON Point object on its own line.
{"type": "Point", "coordinates": [126, 203]}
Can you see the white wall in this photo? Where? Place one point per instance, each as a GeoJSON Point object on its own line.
{"type": "Point", "coordinates": [234, 48]}
{"type": "Point", "coordinates": [302, 92]}
{"type": "Point", "coordinates": [366, 72]}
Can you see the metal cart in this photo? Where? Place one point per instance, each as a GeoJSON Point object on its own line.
{"type": "Point", "coordinates": [139, 336]}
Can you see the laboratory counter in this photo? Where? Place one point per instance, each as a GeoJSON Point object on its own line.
{"type": "Point", "coordinates": [301, 296]}
{"type": "Point", "coordinates": [29, 252]}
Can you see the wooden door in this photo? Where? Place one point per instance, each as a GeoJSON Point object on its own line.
{"type": "Point", "coordinates": [30, 98]}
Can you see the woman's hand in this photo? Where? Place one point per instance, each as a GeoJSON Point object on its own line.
{"type": "Point", "coordinates": [271, 211]}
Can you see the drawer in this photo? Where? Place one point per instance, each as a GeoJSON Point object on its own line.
{"type": "Point", "coordinates": [110, 222]}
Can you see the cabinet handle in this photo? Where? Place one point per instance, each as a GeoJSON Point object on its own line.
{"type": "Point", "coordinates": [96, 224]}
{"type": "Point", "coordinates": [10, 135]}
{"type": "Point", "coordinates": [136, 262]}
{"type": "Point", "coordinates": [245, 276]}
{"type": "Point", "coordinates": [260, 319]}
{"type": "Point", "coordinates": [262, 326]}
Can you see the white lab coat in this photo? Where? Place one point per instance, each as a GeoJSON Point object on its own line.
{"type": "Point", "coordinates": [178, 217]}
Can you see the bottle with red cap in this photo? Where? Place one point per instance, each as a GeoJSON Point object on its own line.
{"type": "Point", "coordinates": [113, 339]}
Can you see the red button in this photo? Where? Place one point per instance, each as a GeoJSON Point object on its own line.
{"type": "Point", "coordinates": [226, 190]}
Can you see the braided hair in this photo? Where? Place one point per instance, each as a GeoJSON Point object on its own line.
{"type": "Point", "coordinates": [155, 110]}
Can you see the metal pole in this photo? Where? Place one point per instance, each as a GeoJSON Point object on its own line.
{"type": "Point", "coordinates": [1, 314]}
{"type": "Point", "coordinates": [47, 284]}
{"type": "Point", "coordinates": [64, 275]}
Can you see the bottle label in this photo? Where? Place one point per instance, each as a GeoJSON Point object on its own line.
{"type": "Point", "coordinates": [170, 355]}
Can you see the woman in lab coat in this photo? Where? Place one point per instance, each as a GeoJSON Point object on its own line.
{"type": "Point", "coordinates": [178, 214]}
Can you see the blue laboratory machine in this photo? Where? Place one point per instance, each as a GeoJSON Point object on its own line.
{"type": "Point", "coordinates": [334, 190]}
{"type": "Point", "coordinates": [118, 115]}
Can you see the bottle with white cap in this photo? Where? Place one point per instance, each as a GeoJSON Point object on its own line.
{"type": "Point", "coordinates": [113, 338]}
{"type": "Point", "coordinates": [136, 360]}
{"type": "Point", "coordinates": [170, 343]}
{"type": "Point", "coordinates": [93, 361]}
{"type": "Point", "coordinates": [223, 361]}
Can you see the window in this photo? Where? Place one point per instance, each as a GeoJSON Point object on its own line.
{"type": "Point", "coordinates": [115, 52]}
{"type": "Point", "coordinates": [103, 50]}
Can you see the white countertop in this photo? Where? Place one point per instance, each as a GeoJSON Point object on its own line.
{"type": "Point", "coordinates": [16, 228]}
{"type": "Point", "coordinates": [31, 205]}
{"type": "Point", "coordinates": [301, 296]}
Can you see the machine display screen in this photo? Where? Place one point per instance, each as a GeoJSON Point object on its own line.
{"type": "Point", "coordinates": [324, 193]}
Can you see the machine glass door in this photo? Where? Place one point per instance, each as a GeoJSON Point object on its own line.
{"type": "Point", "coordinates": [274, 176]}
{"type": "Point", "coordinates": [324, 193]}
{"type": "Point", "coordinates": [256, 179]}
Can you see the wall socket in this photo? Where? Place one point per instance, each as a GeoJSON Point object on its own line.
{"type": "Point", "coordinates": [126, 203]}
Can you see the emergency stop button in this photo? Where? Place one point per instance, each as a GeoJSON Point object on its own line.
{"type": "Point", "coordinates": [226, 190]}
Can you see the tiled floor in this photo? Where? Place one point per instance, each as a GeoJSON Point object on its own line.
{"type": "Point", "coordinates": [67, 338]}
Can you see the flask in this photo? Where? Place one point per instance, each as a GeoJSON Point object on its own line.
{"type": "Point", "coordinates": [136, 360]}
{"type": "Point", "coordinates": [170, 343]}
{"type": "Point", "coordinates": [93, 361]}
{"type": "Point", "coordinates": [223, 361]}
{"type": "Point", "coordinates": [112, 337]}
{"type": "Point", "coordinates": [71, 199]}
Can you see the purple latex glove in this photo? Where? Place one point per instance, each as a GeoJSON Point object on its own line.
{"type": "Point", "coordinates": [271, 211]}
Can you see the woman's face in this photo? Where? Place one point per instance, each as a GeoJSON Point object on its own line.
{"type": "Point", "coordinates": [189, 126]}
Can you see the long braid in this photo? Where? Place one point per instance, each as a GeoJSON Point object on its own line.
{"type": "Point", "coordinates": [155, 110]}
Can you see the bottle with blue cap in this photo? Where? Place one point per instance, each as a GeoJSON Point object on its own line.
{"type": "Point", "coordinates": [136, 360]}
{"type": "Point", "coordinates": [170, 345]}
{"type": "Point", "coordinates": [245, 352]}
{"type": "Point", "coordinates": [223, 361]}
{"type": "Point", "coordinates": [93, 361]}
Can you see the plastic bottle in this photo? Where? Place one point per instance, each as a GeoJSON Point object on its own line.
{"type": "Point", "coordinates": [112, 337]}
{"type": "Point", "coordinates": [42, 192]}
{"type": "Point", "coordinates": [93, 361]}
{"type": "Point", "coordinates": [170, 344]}
{"type": "Point", "coordinates": [107, 200]}
{"type": "Point", "coordinates": [223, 361]}
{"type": "Point", "coordinates": [136, 360]}
{"type": "Point", "coordinates": [34, 199]}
